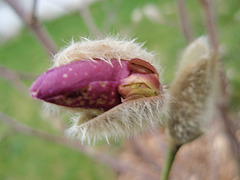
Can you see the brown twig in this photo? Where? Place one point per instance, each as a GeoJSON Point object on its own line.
{"type": "Point", "coordinates": [34, 10]}
{"type": "Point", "coordinates": [35, 26]}
{"type": "Point", "coordinates": [111, 13]}
{"type": "Point", "coordinates": [21, 75]}
{"type": "Point", "coordinates": [87, 17]}
{"type": "Point", "coordinates": [184, 21]}
{"type": "Point", "coordinates": [210, 22]}
{"type": "Point", "coordinates": [113, 162]}
{"type": "Point", "coordinates": [223, 104]}
{"type": "Point", "coordinates": [231, 131]}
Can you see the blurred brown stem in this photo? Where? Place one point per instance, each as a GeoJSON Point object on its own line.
{"type": "Point", "coordinates": [34, 9]}
{"type": "Point", "coordinates": [35, 26]}
{"type": "Point", "coordinates": [210, 22]}
{"type": "Point", "coordinates": [87, 17]}
{"type": "Point", "coordinates": [184, 21]}
{"type": "Point", "coordinates": [113, 162]}
{"type": "Point", "coordinates": [231, 131]}
{"type": "Point", "coordinates": [21, 75]}
{"type": "Point", "coordinates": [110, 13]}
{"type": "Point", "coordinates": [223, 104]}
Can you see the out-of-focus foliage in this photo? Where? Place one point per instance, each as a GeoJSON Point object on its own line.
{"type": "Point", "coordinates": [23, 157]}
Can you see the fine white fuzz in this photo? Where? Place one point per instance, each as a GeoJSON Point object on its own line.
{"type": "Point", "coordinates": [191, 91]}
{"type": "Point", "coordinates": [124, 120]}
{"type": "Point", "coordinates": [103, 49]}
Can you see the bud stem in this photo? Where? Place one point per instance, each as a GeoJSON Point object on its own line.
{"type": "Point", "coordinates": [169, 158]}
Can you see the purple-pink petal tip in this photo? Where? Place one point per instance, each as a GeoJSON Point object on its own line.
{"type": "Point", "coordinates": [84, 84]}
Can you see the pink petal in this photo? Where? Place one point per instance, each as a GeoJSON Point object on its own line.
{"type": "Point", "coordinates": [139, 85]}
{"type": "Point", "coordinates": [82, 84]}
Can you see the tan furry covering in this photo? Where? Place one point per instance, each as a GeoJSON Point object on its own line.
{"type": "Point", "coordinates": [104, 49]}
{"type": "Point", "coordinates": [191, 91]}
{"type": "Point", "coordinates": [126, 119]}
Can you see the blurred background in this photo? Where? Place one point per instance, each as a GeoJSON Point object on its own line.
{"type": "Point", "coordinates": [155, 22]}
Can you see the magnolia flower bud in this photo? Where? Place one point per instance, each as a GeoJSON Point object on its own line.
{"type": "Point", "coordinates": [191, 91]}
{"type": "Point", "coordinates": [113, 87]}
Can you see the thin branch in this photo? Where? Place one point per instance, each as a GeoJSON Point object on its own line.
{"type": "Point", "coordinates": [111, 13]}
{"type": "Point", "coordinates": [35, 26]}
{"type": "Point", "coordinates": [210, 22]}
{"type": "Point", "coordinates": [222, 105]}
{"type": "Point", "coordinates": [230, 131]}
{"type": "Point", "coordinates": [184, 21]}
{"type": "Point", "coordinates": [26, 76]}
{"type": "Point", "coordinates": [88, 19]}
{"type": "Point", "coordinates": [34, 10]}
{"type": "Point", "coordinates": [21, 75]}
{"type": "Point", "coordinates": [113, 162]}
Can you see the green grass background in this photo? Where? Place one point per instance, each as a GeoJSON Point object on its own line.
{"type": "Point", "coordinates": [24, 157]}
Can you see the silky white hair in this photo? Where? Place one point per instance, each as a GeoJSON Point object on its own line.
{"type": "Point", "coordinates": [104, 49]}
{"type": "Point", "coordinates": [126, 119]}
